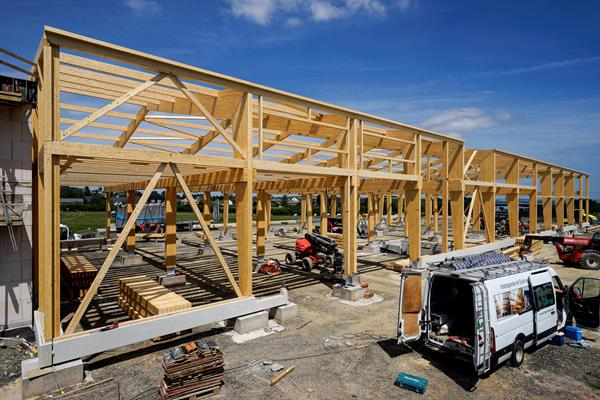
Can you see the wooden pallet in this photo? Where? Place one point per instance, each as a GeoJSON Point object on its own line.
{"type": "Point", "coordinates": [140, 296]}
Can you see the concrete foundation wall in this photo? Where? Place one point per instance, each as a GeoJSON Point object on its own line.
{"type": "Point", "coordinates": [16, 268]}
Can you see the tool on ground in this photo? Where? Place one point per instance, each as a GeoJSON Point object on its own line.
{"type": "Point", "coordinates": [317, 251]}
{"type": "Point", "coordinates": [192, 370]}
{"type": "Point", "coordinates": [270, 267]}
{"type": "Point", "coordinates": [112, 326]}
{"type": "Point", "coordinates": [411, 382]}
{"type": "Point", "coordinates": [574, 250]}
{"type": "Point", "coordinates": [282, 375]}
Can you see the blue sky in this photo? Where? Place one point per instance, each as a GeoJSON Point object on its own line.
{"type": "Point", "coordinates": [523, 76]}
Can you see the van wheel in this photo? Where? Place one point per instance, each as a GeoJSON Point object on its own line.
{"type": "Point", "coordinates": [590, 260]}
{"type": "Point", "coordinates": [518, 353]}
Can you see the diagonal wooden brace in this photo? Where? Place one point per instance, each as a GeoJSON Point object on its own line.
{"type": "Point", "coordinates": [109, 107]}
{"type": "Point", "coordinates": [205, 228]}
{"type": "Point", "coordinates": [208, 116]}
{"type": "Point", "coordinates": [113, 252]}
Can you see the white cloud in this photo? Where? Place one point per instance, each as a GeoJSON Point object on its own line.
{"type": "Point", "coordinates": [463, 119]}
{"type": "Point", "coordinates": [404, 4]}
{"type": "Point", "coordinates": [541, 67]}
{"type": "Point", "coordinates": [258, 11]}
{"type": "Point", "coordinates": [293, 13]}
{"type": "Point", "coordinates": [293, 22]}
{"type": "Point", "coordinates": [141, 6]}
{"type": "Point", "coordinates": [324, 11]}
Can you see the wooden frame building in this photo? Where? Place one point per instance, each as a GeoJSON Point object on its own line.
{"type": "Point", "coordinates": [160, 124]}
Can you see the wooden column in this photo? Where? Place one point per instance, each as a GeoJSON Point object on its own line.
{"type": "Point", "coordinates": [108, 211]}
{"type": "Point", "coordinates": [457, 195]}
{"type": "Point", "coordinates": [242, 130]}
{"type": "Point", "coordinates": [413, 201]}
{"type": "Point", "coordinates": [445, 194]}
{"type": "Point", "coordinates": [389, 209]}
{"type": "Point", "coordinates": [370, 216]}
{"type": "Point", "coordinates": [170, 227]}
{"type": "Point", "coordinates": [261, 223]}
{"type": "Point", "coordinates": [323, 208]}
{"type": "Point", "coordinates": [130, 207]}
{"type": "Point", "coordinates": [587, 198]}
{"type": "Point", "coordinates": [428, 210]}
{"type": "Point", "coordinates": [47, 190]}
{"type": "Point", "coordinates": [559, 198]}
{"type": "Point", "coordinates": [225, 212]}
{"type": "Point", "coordinates": [488, 196]}
{"type": "Point", "coordinates": [546, 186]}
{"type": "Point", "coordinates": [303, 213]}
{"type": "Point", "coordinates": [512, 198]}
{"type": "Point", "coordinates": [333, 205]}
{"type": "Point", "coordinates": [476, 222]}
{"type": "Point", "coordinates": [380, 209]}
{"type": "Point", "coordinates": [436, 213]}
{"type": "Point", "coordinates": [570, 198]}
{"type": "Point", "coordinates": [533, 214]}
{"type": "Point", "coordinates": [268, 209]}
{"type": "Point", "coordinates": [349, 198]}
{"type": "Point", "coordinates": [580, 205]}
{"type": "Point", "coordinates": [206, 210]}
{"type": "Point", "coordinates": [309, 213]}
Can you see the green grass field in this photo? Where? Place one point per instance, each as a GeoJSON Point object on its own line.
{"type": "Point", "coordinates": [92, 220]}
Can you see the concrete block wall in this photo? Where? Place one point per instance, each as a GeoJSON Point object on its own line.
{"type": "Point", "coordinates": [16, 268]}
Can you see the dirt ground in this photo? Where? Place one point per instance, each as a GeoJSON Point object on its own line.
{"type": "Point", "coordinates": [342, 351]}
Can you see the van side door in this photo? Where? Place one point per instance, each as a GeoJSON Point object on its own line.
{"type": "Point", "coordinates": [584, 302]}
{"type": "Point", "coordinates": [411, 306]}
{"type": "Point", "coordinates": [544, 305]}
{"type": "Point", "coordinates": [482, 346]}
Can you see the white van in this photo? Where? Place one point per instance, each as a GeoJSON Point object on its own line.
{"type": "Point", "coordinates": [483, 315]}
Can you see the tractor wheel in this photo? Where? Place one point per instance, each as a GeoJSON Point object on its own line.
{"type": "Point", "coordinates": [290, 258]}
{"type": "Point", "coordinates": [590, 260]}
{"type": "Point", "coordinates": [307, 264]}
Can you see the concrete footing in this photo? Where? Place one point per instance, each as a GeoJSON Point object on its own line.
{"type": "Point", "coordinates": [251, 322]}
{"type": "Point", "coordinates": [372, 248]}
{"type": "Point", "coordinates": [38, 381]}
{"type": "Point", "coordinates": [172, 280]}
{"type": "Point", "coordinates": [130, 259]}
{"type": "Point", "coordinates": [350, 293]}
{"type": "Point", "coordinates": [284, 314]}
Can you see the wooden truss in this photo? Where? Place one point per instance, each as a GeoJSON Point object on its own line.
{"type": "Point", "coordinates": [124, 120]}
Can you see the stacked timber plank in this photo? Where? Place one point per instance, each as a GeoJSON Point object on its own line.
{"type": "Point", "coordinates": [140, 296]}
{"type": "Point", "coordinates": [77, 274]}
{"type": "Point", "coordinates": [593, 228]}
{"type": "Point", "coordinates": [192, 370]}
{"type": "Point", "coordinates": [515, 251]}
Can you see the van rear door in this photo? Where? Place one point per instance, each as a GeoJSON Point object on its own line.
{"type": "Point", "coordinates": [544, 301]}
{"type": "Point", "coordinates": [584, 302]}
{"type": "Point", "coordinates": [411, 307]}
{"type": "Point", "coordinates": [482, 347]}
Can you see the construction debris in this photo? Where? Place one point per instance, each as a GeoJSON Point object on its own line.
{"type": "Point", "coordinates": [282, 375]}
{"type": "Point", "coordinates": [192, 370]}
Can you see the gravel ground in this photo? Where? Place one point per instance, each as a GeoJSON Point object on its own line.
{"type": "Point", "coordinates": [342, 352]}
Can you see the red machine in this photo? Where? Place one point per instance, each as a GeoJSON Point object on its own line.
{"type": "Point", "coordinates": [316, 251]}
{"type": "Point", "coordinates": [581, 250]}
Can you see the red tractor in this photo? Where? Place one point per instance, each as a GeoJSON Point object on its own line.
{"type": "Point", "coordinates": [575, 250]}
{"type": "Point", "coordinates": [317, 251]}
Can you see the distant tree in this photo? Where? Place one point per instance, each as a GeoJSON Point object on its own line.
{"type": "Point", "coordinates": [284, 201]}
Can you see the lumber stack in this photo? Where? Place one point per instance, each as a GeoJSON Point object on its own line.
{"type": "Point", "coordinates": [77, 274]}
{"type": "Point", "coordinates": [192, 370]}
{"type": "Point", "coordinates": [140, 296]}
{"type": "Point", "coordinates": [593, 228]}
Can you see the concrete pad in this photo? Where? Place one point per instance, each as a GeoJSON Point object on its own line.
{"type": "Point", "coordinates": [285, 313]}
{"type": "Point", "coordinates": [273, 327]}
{"type": "Point", "coordinates": [38, 381]}
{"type": "Point", "coordinates": [172, 280]}
{"type": "Point", "coordinates": [251, 322]}
{"type": "Point", "coordinates": [131, 259]}
{"type": "Point", "coordinates": [350, 293]}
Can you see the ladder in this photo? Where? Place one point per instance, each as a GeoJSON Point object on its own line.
{"type": "Point", "coordinates": [9, 226]}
